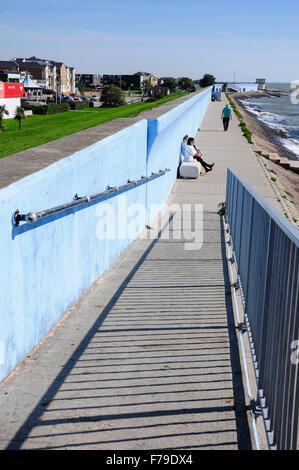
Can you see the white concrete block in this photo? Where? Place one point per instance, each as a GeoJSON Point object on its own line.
{"type": "Point", "coordinates": [190, 169]}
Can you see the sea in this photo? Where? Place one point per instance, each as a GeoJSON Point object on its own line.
{"type": "Point", "coordinates": [280, 114]}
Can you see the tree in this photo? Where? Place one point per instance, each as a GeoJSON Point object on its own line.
{"type": "Point", "coordinates": [112, 96]}
{"type": "Point", "coordinates": [207, 80]}
{"type": "Point", "coordinates": [3, 111]}
{"type": "Point", "coordinates": [185, 83]}
{"type": "Point", "coordinates": [82, 87]}
{"type": "Point", "coordinates": [170, 83]}
{"type": "Point", "coordinates": [19, 115]}
{"type": "Point", "coordinates": [145, 86]}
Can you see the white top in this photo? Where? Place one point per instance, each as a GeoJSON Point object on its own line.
{"type": "Point", "coordinates": [189, 152]}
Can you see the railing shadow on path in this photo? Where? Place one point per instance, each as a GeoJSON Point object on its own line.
{"type": "Point", "coordinates": [237, 407]}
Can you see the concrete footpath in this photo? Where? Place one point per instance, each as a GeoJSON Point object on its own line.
{"type": "Point", "coordinates": [148, 358]}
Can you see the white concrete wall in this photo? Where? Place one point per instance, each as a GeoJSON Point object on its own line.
{"type": "Point", "coordinates": [10, 104]}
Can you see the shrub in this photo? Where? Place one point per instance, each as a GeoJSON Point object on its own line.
{"type": "Point", "coordinates": [152, 99]}
{"type": "Point", "coordinates": [79, 105]}
{"type": "Point", "coordinates": [112, 96]}
{"type": "Point", "coordinates": [58, 108]}
{"type": "Point", "coordinates": [48, 108]}
{"type": "Point", "coordinates": [246, 132]}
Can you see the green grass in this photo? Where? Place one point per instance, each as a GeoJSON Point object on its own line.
{"type": "Point", "coordinates": [246, 132]}
{"type": "Point", "coordinates": [40, 129]}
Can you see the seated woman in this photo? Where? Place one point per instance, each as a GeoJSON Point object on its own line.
{"type": "Point", "coordinates": [192, 153]}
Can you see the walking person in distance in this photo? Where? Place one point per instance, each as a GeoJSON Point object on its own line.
{"type": "Point", "coordinates": [226, 117]}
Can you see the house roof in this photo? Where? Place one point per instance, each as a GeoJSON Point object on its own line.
{"type": "Point", "coordinates": [144, 74]}
{"type": "Point", "coordinates": [8, 63]}
{"type": "Point", "coordinates": [35, 62]}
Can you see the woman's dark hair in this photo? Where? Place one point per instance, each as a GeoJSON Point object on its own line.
{"type": "Point", "coordinates": [190, 140]}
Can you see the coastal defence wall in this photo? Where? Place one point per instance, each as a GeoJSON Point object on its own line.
{"type": "Point", "coordinates": [46, 266]}
{"type": "Point", "coordinates": [165, 136]}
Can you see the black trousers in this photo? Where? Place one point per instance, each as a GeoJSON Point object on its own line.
{"type": "Point", "coordinates": [225, 123]}
{"type": "Point", "coordinates": [203, 163]}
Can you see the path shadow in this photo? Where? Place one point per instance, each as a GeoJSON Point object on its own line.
{"type": "Point", "coordinates": [215, 410]}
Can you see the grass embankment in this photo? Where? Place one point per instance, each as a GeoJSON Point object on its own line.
{"type": "Point", "coordinates": [40, 129]}
{"type": "Point", "coordinates": [246, 132]}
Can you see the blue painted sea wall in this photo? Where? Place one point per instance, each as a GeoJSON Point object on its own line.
{"type": "Point", "coordinates": [45, 267]}
{"type": "Point", "coordinates": [165, 136]}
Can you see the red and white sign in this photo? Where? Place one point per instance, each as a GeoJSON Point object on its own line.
{"type": "Point", "coordinates": [11, 90]}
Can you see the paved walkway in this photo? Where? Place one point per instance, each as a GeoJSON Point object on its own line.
{"type": "Point", "coordinates": [148, 358]}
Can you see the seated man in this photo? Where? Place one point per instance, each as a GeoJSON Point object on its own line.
{"type": "Point", "coordinates": [192, 153]}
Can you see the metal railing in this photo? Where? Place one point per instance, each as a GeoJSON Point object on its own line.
{"type": "Point", "coordinates": [266, 253]}
{"type": "Point", "coordinates": [32, 217]}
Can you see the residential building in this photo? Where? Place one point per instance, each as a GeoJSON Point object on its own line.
{"type": "Point", "coordinates": [42, 71]}
{"type": "Point", "coordinates": [158, 91]}
{"type": "Point", "coordinates": [111, 80]}
{"type": "Point", "coordinates": [161, 80]}
{"type": "Point", "coordinates": [8, 65]}
{"type": "Point", "coordinates": [10, 76]}
{"type": "Point", "coordinates": [133, 82]}
{"type": "Point", "coordinates": [91, 81]}
{"type": "Point", "coordinates": [49, 74]}
{"type": "Point", "coordinates": [147, 76]}
{"type": "Point", "coordinates": [125, 82]}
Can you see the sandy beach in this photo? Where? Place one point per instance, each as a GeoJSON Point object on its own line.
{"type": "Point", "coordinates": [265, 139]}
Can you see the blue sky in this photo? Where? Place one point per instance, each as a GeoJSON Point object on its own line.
{"type": "Point", "coordinates": [164, 37]}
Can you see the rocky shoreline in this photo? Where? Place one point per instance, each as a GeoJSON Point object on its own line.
{"type": "Point", "coordinates": [266, 140]}
{"type": "Point", "coordinates": [258, 94]}
{"type": "Point", "coordinates": [263, 129]}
